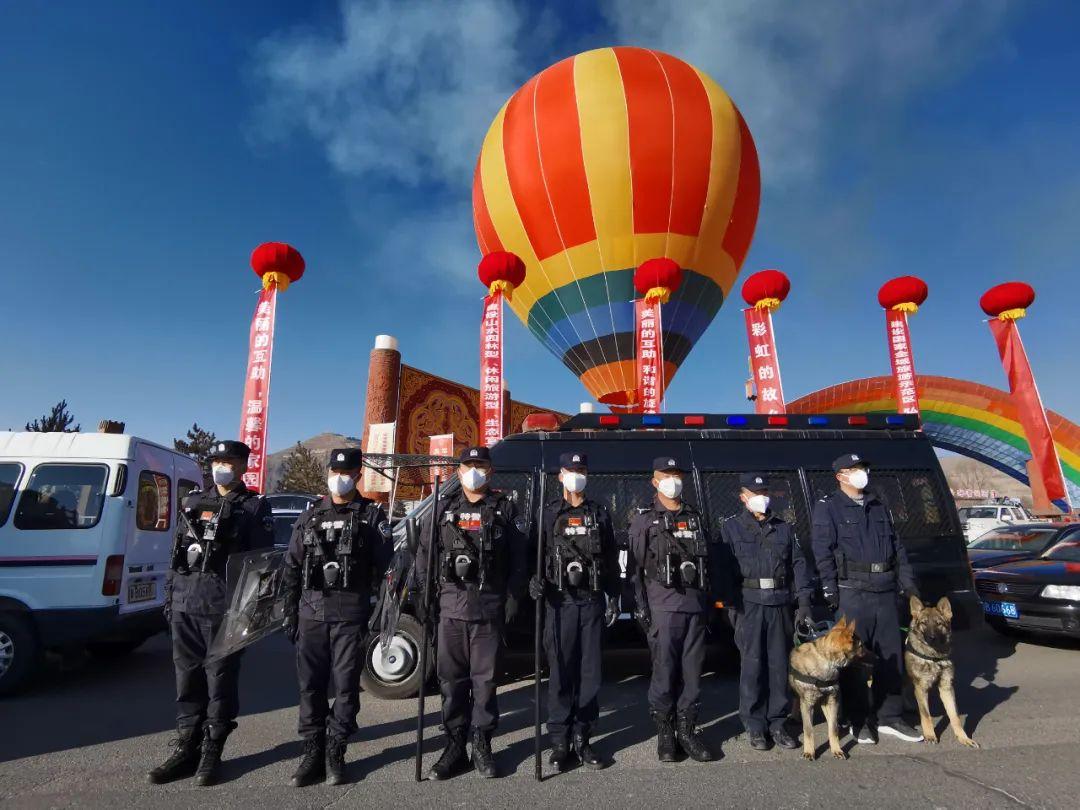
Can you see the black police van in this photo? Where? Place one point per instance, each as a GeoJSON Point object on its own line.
{"type": "Point", "coordinates": [795, 451]}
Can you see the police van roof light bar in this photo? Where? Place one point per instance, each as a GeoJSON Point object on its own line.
{"type": "Point", "coordinates": [754, 421]}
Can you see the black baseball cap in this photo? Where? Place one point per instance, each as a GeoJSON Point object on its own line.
{"type": "Point", "coordinates": [230, 449]}
{"type": "Point", "coordinates": [849, 460]}
{"type": "Point", "coordinates": [754, 481]}
{"type": "Point", "coordinates": [471, 455]}
{"type": "Point", "coordinates": [345, 458]}
{"type": "Point", "coordinates": [574, 461]}
{"type": "Point", "coordinates": [667, 464]}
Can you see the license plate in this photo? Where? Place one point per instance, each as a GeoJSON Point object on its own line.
{"type": "Point", "coordinates": [141, 592]}
{"type": "Point", "coordinates": [1006, 609]}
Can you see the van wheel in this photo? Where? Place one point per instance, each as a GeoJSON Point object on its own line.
{"type": "Point", "coordinates": [398, 676]}
{"type": "Point", "coordinates": [20, 652]}
{"type": "Point", "coordinates": [111, 650]}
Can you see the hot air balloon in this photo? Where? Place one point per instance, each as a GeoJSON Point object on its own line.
{"type": "Point", "coordinates": [598, 164]}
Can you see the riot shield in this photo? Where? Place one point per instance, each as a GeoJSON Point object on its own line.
{"type": "Point", "coordinates": [257, 606]}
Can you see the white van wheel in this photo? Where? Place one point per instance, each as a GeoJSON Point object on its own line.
{"type": "Point", "coordinates": [19, 652]}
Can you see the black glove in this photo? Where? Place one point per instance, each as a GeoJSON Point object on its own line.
{"type": "Point", "coordinates": [803, 614]}
{"type": "Point", "coordinates": [644, 617]}
{"type": "Point", "coordinates": [420, 609]}
{"type": "Point", "coordinates": [832, 599]}
{"type": "Point", "coordinates": [611, 612]}
{"type": "Point", "coordinates": [166, 608]}
{"type": "Point", "coordinates": [536, 588]}
{"type": "Point", "coordinates": [291, 626]}
{"type": "Point", "coordinates": [511, 608]}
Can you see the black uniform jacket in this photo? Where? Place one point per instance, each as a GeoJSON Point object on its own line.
{"type": "Point", "coordinates": [466, 600]}
{"type": "Point", "coordinates": [644, 552]}
{"type": "Point", "coordinates": [764, 550]}
{"type": "Point", "coordinates": [247, 526]}
{"type": "Point", "coordinates": [849, 538]}
{"type": "Point", "coordinates": [559, 509]}
{"type": "Point", "coordinates": [372, 550]}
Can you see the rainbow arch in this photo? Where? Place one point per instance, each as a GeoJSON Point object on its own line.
{"type": "Point", "coordinates": [968, 418]}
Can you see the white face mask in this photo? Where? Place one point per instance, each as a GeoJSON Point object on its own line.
{"type": "Point", "coordinates": [474, 478]}
{"type": "Point", "coordinates": [573, 481]}
{"type": "Point", "coordinates": [223, 476]}
{"type": "Point", "coordinates": [859, 479]}
{"type": "Point", "coordinates": [340, 485]}
{"type": "Point", "coordinates": [670, 487]}
{"type": "Point", "coordinates": [758, 504]}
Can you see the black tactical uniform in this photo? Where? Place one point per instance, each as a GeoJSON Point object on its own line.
{"type": "Point", "coordinates": [672, 564]}
{"type": "Point", "coordinates": [770, 569]}
{"type": "Point", "coordinates": [480, 574]}
{"type": "Point", "coordinates": [336, 555]}
{"type": "Point", "coordinates": [861, 563]}
{"type": "Point", "coordinates": [580, 576]}
{"type": "Point", "coordinates": [195, 603]}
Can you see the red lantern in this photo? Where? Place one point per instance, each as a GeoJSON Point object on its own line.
{"type": "Point", "coordinates": [903, 294]}
{"type": "Point", "coordinates": [1008, 301]}
{"type": "Point", "coordinates": [277, 263]}
{"type": "Point", "coordinates": [657, 279]}
{"type": "Point", "coordinates": [501, 271]}
{"type": "Point", "coordinates": [766, 289]}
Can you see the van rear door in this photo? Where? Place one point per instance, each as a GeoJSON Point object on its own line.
{"type": "Point", "coordinates": [149, 529]}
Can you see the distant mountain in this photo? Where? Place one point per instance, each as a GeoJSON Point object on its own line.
{"type": "Point", "coordinates": [320, 445]}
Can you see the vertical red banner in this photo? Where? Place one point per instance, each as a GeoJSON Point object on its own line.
{"type": "Point", "coordinates": [441, 445]}
{"type": "Point", "coordinates": [764, 363]}
{"type": "Point", "coordinates": [255, 411]}
{"type": "Point", "coordinates": [1025, 396]}
{"type": "Point", "coordinates": [903, 365]}
{"type": "Point", "coordinates": [491, 370]}
{"type": "Point", "coordinates": [649, 351]}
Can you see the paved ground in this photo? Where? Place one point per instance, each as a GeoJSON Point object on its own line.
{"type": "Point", "coordinates": [87, 732]}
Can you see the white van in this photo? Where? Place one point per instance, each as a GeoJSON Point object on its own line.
{"type": "Point", "coordinates": [87, 523]}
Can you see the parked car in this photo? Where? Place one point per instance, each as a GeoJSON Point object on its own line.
{"type": "Point", "coordinates": [981, 518]}
{"type": "Point", "coordinates": [1010, 543]}
{"type": "Point", "coordinates": [1041, 595]}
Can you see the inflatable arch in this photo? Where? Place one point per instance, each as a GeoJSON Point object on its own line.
{"type": "Point", "coordinates": [968, 418]}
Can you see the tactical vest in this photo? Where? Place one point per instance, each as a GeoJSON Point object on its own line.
{"type": "Point", "coordinates": [334, 549]}
{"type": "Point", "coordinates": [680, 556]}
{"type": "Point", "coordinates": [470, 545]}
{"type": "Point", "coordinates": [575, 553]}
{"type": "Point", "coordinates": [205, 534]}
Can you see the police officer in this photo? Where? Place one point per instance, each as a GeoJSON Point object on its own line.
{"type": "Point", "coordinates": [769, 569]}
{"type": "Point", "coordinates": [670, 564]}
{"type": "Point", "coordinates": [481, 573]}
{"type": "Point", "coordinates": [223, 520]}
{"type": "Point", "coordinates": [338, 550]}
{"type": "Point", "coordinates": [581, 584]}
{"type": "Point", "coordinates": [862, 564]}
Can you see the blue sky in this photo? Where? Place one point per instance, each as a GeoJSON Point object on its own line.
{"type": "Point", "coordinates": [146, 149]}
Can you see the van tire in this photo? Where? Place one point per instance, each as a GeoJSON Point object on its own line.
{"type": "Point", "coordinates": [112, 650]}
{"type": "Point", "coordinates": [405, 684]}
{"type": "Point", "coordinates": [20, 653]}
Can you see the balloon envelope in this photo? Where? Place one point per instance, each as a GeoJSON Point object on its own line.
{"type": "Point", "coordinates": [597, 164]}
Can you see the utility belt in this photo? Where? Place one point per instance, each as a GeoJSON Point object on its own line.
{"type": "Point", "coordinates": [850, 569]}
{"type": "Point", "coordinates": [766, 583]}
{"type": "Point", "coordinates": [576, 557]}
{"type": "Point", "coordinates": [330, 550]}
{"type": "Point", "coordinates": [202, 538]}
{"type": "Point", "coordinates": [468, 556]}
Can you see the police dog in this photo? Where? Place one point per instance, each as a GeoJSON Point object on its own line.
{"type": "Point", "coordinates": [814, 676]}
{"type": "Point", "coordinates": [927, 658]}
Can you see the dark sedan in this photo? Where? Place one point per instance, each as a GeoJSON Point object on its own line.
{"type": "Point", "coordinates": [1042, 594]}
{"type": "Point", "coordinates": [1018, 541]}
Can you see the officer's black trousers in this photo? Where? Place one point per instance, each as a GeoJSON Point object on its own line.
{"type": "Point", "coordinates": [205, 692]}
{"type": "Point", "coordinates": [468, 653]}
{"type": "Point", "coordinates": [877, 623]}
{"type": "Point", "coordinates": [572, 637]}
{"type": "Point", "coordinates": [677, 645]}
{"type": "Point", "coordinates": [329, 659]}
{"type": "Point", "coordinates": [763, 634]}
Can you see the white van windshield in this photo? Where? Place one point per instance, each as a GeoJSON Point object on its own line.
{"type": "Point", "coordinates": [62, 496]}
{"type": "Point", "coordinates": [9, 479]}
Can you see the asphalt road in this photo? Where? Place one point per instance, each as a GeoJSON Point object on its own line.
{"type": "Point", "coordinates": [87, 732]}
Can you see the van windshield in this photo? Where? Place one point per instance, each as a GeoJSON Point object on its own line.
{"type": "Point", "coordinates": [9, 479]}
{"type": "Point", "coordinates": [62, 496]}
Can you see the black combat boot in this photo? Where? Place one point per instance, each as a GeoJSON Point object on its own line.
{"type": "Point", "coordinates": [210, 761]}
{"type": "Point", "coordinates": [665, 737]}
{"type": "Point", "coordinates": [183, 761]}
{"type": "Point", "coordinates": [588, 757]}
{"type": "Point", "coordinates": [335, 759]}
{"type": "Point", "coordinates": [312, 766]}
{"type": "Point", "coordinates": [481, 754]}
{"type": "Point", "coordinates": [454, 759]}
{"type": "Point", "coordinates": [559, 758]}
{"type": "Point", "coordinates": [689, 739]}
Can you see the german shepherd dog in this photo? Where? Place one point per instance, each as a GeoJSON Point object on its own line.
{"type": "Point", "coordinates": [814, 676]}
{"type": "Point", "coordinates": [927, 658]}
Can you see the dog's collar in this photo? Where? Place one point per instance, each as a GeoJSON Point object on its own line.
{"type": "Point", "coordinates": [924, 656]}
{"type": "Point", "coordinates": [812, 681]}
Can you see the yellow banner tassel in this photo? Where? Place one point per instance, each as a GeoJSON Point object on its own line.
{"type": "Point", "coordinates": [771, 304]}
{"type": "Point", "coordinates": [658, 294]}
{"type": "Point", "coordinates": [276, 277]}
{"type": "Point", "coordinates": [909, 307]}
{"type": "Point", "coordinates": [1012, 314]}
{"type": "Point", "coordinates": [505, 287]}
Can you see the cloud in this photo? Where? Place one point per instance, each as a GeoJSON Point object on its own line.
{"type": "Point", "coordinates": [791, 68]}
